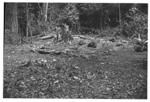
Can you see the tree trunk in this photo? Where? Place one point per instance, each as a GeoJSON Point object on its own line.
{"type": "Point", "coordinates": [14, 20]}
{"type": "Point", "coordinates": [27, 20]}
{"type": "Point", "coordinates": [44, 16]}
{"type": "Point", "coordinates": [45, 8]}
{"type": "Point", "coordinates": [120, 22]}
{"type": "Point", "coordinates": [101, 19]}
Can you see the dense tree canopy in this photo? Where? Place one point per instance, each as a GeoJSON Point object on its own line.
{"type": "Point", "coordinates": [79, 16]}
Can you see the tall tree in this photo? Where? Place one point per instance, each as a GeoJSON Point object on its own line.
{"type": "Point", "coordinates": [27, 20]}
{"type": "Point", "coordinates": [101, 18]}
{"type": "Point", "coordinates": [45, 9]}
{"type": "Point", "coordinates": [120, 22]}
{"type": "Point", "coordinates": [14, 19]}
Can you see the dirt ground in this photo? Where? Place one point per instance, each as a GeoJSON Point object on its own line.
{"type": "Point", "coordinates": [79, 72]}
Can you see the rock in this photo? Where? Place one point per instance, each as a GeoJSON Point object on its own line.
{"type": "Point", "coordinates": [138, 48]}
{"type": "Point", "coordinates": [84, 56]}
{"type": "Point", "coordinates": [90, 75]}
{"type": "Point", "coordinates": [108, 89]}
{"type": "Point", "coordinates": [102, 63]}
{"type": "Point", "coordinates": [92, 44]}
{"type": "Point", "coordinates": [57, 52]}
{"type": "Point", "coordinates": [145, 46]}
{"type": "Point", "coordinates": [13, 52]}
{"type": "Point", "coordinates": [54, 60]}
{"type": "Point", "coordinates": [140, 45]}
{"type": "Point", "coordinates": [42, 47]}
{"type": "Point", "coordinates": [32, 50]}
{"type": "Point", "coordinates": [66, 50]}
{"type": "Point", "coordinates": [81, 42]}
{"type": "Point", "coordinates": [112, 40]}
{"type": "Point", "coordinates": [58, 68]}
{"type": "Point", "coordinates": [57, 81]}
{"type": "Point", "coordinates": [124, 41]}
{"type": "Point", "coordinates": [75, 67]}
{"type": "Point", "coordinates": [119, 44]}
{"type": "Point", "coordinates": [32, 78]}
{"type": "Point", "coordinates": [76, 78]}
{"type": "Point", "coordinates": [25, 63]}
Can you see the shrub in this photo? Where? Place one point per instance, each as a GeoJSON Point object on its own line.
{"type": "Point", "coordinates": [135, 23]}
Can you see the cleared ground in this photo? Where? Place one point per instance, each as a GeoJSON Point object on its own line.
{"type": "Point", "coordinates": [75, 71]}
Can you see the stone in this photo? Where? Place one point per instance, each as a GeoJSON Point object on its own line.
{"type": "Point", "coordinates": [92, 44]}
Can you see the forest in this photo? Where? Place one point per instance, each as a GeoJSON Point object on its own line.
{"type": "Point", "coordinates": [75, 50]}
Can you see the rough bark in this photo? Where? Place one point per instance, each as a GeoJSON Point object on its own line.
{"type": "Point", "coordinates": [119, 15]}
{"type": "Point", "coordinates": [27, 20]}
{"type": "Point", "coordinates": [14, 21]}
{"type": "Point", "coordinates": [101, 19]}
{"type": "Point", "coordinates": [45, 8]}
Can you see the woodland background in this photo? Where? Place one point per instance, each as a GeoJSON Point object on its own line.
{"type": "Point", "coordinates": [31, 19]}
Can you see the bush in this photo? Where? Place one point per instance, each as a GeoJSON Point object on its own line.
{"type": "Point", "coordinates": [69, 16]}
{"type": "Point", "coordinates": [135, 23]}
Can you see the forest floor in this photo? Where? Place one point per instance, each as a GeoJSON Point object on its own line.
{"type": "Point", "coordinates": [45, 69]}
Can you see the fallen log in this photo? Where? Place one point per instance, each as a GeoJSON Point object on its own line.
{"type": "Point", "coordinates": [47, 37]}
{"type": "Point", "coordinates": [41, 51]}
{"type": "Point", "coordinates": [82, 37]}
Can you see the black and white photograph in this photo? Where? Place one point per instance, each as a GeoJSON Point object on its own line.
{"type": "Point", "coordinates": [78, 50]}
